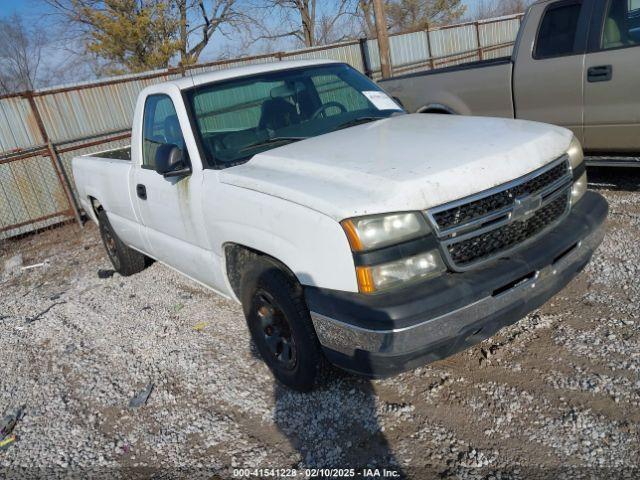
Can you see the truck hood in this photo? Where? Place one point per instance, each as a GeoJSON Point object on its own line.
{"type": "Point", "coordinates": [407, 162]}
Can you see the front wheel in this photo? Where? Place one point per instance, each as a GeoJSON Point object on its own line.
{"type": "Point", "coordinates": [280, 325]}
{"type": "Point", "coordinates": [125, 260]}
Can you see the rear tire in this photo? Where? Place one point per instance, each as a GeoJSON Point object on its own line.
{"type": "Point", "coordinates": [125, 260]}
{"type": "Point", "coordinates": [280, 325]}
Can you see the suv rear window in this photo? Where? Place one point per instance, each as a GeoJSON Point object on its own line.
{"type": "Point", "coordinates": [557, 34]}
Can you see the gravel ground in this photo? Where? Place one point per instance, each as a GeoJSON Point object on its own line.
{"type": "Point", "coordinates": [556, 394]}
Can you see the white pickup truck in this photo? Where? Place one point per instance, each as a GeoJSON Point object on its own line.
{"type": "Point", "coordinates": [349, 230]}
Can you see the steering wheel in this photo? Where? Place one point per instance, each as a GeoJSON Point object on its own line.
{"type": "Point", "coordinates": [323, 109]}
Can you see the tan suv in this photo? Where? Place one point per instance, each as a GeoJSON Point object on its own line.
{"type": "Point", "coordinates": [576, 64]}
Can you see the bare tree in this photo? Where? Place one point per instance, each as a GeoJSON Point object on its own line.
{"type": "Point", "coordinates": [420, 14]}
{"type": "Point", "coordinates": [403, 15]}
{"type": "Point", "coordinates": [498, 8]}
{"type": "Point", "coordinates": [310, 22]}
{"type": "Point", "coordinates": [20, 55]}
{"type": "Point", "coordinates": [211, 16]}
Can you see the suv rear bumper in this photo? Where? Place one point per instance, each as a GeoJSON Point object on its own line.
{"type": "Point", "coordinates": [380, 335]}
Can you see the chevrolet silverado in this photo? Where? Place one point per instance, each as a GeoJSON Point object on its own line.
{"type": "Point", "coordinates": [350, 231]}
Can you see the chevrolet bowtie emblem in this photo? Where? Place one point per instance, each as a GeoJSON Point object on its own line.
{"type": "Point", "coordinates": [525, 207]}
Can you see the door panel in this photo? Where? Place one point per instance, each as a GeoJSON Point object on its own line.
{"type": "Point", "coordinates": [170, 208]}
{"type": "Point", "coordinates": [549, 68]}
{"type": "Point", "coordinates": [612, 105]}
{"type": "Point", "coordinates": [550, 91]}
{"type": "Point", "coordinates": [173, 224]}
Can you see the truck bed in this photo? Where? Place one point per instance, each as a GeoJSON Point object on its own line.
{"type": "Point", "coordinates": [454, 68]}
{"type": "Point", "coordinates": [105, 176]}
{"type": "Point", "coordinates": [478, 88]}
{"type": "Point", "coordinates": [123, 153]}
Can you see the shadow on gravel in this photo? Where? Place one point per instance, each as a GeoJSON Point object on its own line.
{"type": "Point", "coordinates": [614, 178]}
{"type": "Point", "coordinates": [336, 427]}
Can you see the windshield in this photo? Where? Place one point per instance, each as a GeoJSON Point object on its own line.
{"type": "Point", "coordinates": [236, 119]}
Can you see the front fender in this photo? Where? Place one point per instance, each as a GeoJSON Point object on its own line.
{"type": "Point", "coordinates": [312, 245]}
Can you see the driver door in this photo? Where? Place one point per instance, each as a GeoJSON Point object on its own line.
{"type": "Point", "coordinates": [168, 207]}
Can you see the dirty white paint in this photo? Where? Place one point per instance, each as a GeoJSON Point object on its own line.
{"type": "Point", "coordinates": [287, 202]}
{"type": "Point", "coordinates": [409, 162]}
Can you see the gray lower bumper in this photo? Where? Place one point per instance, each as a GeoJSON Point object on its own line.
{"type": "Point", "coordinates": [346, 338]}
{"type": "Point", "coordinates": [378, 352]}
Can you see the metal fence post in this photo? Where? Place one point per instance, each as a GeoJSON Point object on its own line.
{"type": "Point", "coordinates": [55, 159]}
{"type": "Point", "coordinates": [480, 55]}
{"type": "Point", "coordinates": [366, 65]}
{"type": "Point", "coordinates": [432, 64]}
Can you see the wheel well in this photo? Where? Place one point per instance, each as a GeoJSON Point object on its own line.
{"type": "Point", "coordinates": [95, 205]}
{"type": "Point", "coordinates": [239, 257]}
{"type": "Point", "coordinates": [437, 108]}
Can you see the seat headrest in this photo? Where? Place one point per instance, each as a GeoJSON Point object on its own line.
{"type": "Point", "coordinates": [285, 91]}
{"type": "Point", "coordinates": [612, 35]}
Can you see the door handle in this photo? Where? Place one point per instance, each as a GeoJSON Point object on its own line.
{"type": "Point", "coordinates": [141, 190]}
{"type": "Point", "coordinates": [602, 73]}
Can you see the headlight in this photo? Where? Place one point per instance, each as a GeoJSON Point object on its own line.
{"type": "Point", "coordinates": [576, 155]}
{"type": "Point", "coordinates": [579, 188]}
{"type": "Point", "coordinates": [387, 275]}
{"type": "Point", "coordinates": [376, 231]}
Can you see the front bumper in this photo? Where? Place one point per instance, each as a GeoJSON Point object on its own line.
{"type": "Point", "coordinates": [380, 335]}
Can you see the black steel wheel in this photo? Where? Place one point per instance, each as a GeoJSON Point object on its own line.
{"type": "Point", "coordinates": [110, 245]}
{"type": "Point", "coordinates": [125, 260]}
{"type": "Point", "coordinates": [280, 324]}
{"type": "Point", "coordinates": [276, 330]}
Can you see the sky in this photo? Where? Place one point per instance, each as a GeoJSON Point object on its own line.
{"type": "Point", "coordinates": [23, 7]}
{"type": "Point", "coordinates": [36, 11]}
{"type": "Point", "coordinates": [33, 7]}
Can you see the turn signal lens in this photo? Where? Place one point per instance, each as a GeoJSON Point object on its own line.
{"type": "Point", "coordinates": [352, 235]}
{"type": "Point", "coordinates": [365, 280]}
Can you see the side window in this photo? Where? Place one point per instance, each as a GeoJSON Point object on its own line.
{"type": "Point", "coordinates": [557, 34]}
{"type": "Point", "coordinates": [621, 24]}
{"type": "Point", "coordinates": [160, 125]}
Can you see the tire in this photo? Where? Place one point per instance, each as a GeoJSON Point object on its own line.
{"type": "Point", "coordinates": [280, 325]}
{"type": "Point", "coordinates": [125, 260]}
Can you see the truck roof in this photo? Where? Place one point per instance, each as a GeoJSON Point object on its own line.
{"type": "Point", "coordinates": [195, 80]}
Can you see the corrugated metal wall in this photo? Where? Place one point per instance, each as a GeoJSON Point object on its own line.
{"type": "Point", "coordinates": [41, 131]}
{"type": "Point", "coordinates": [447, 46]}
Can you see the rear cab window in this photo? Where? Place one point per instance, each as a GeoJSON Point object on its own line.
{"type": "Point", "coordinates": [558, 30]}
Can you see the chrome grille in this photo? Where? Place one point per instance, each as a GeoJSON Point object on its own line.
{"type": "Point", "coordinates": [500, 239]}
{"type": "Point", "coordinates": [479, 228]}
{"type": "Point", "coordinates": [461, 214]}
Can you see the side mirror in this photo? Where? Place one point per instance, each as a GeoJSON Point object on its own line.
{"type": "Point", "coordinates": [170, 161]}
{"type": "Point", "coordinates": [399, 102]}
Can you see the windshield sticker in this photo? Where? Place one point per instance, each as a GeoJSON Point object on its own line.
{"type": "Point", "coordinates": [381, 100]}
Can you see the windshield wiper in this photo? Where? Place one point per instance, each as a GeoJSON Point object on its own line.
{"type": "Point", "coordinates": [269, 141]}
{"type": "Point", "coordinates": [358, 121]}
